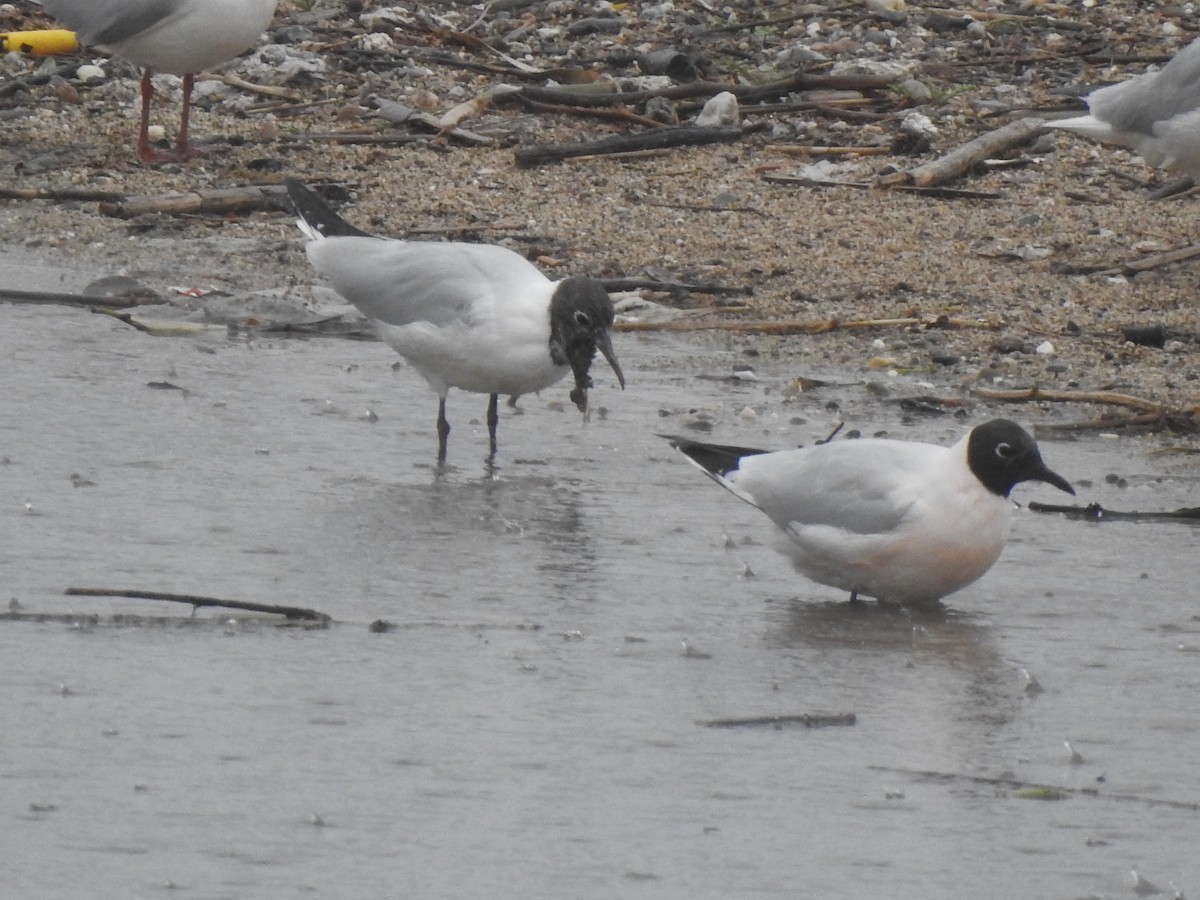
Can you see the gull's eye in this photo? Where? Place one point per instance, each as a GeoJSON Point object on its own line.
{"type": "Point", "coordinates": [1005, 451]}
{"type": "Point", "coordinates": [582, 320]}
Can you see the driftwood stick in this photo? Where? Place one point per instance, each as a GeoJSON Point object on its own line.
{"type": "Point", "coordinates": [808, 720]}
{"type": "Point", "coordinates": [220, 201]}
{"type": "Point", "coordinates": [13, 295]}
{"type": "Point", "coordinates": [1153, 262]}
{"type": "Point", "coordinates": [963, 159]}
{"type": "Point", "coordinates": [125, 317]}
{"type": "Point", "coordinates": [1026, 395]}
{"type": "Point", "coordinates": [1183, 420]}
{"type": "Point", "coordinates": [939, 193]}
{"type": "Point", "coordinates": [813, 150]}
{"type": "Point", "coordinates": [354, 137]}
{"type": "Point", "coordinates": [1018, 784]}
{"type": "Point", "coordinates": [291, 612]}
{"type": "Point", "coordinates": [616, 285]}
{"type": "Point", "coordinates": [800, 327]}
{"type": "Point", "coordinates": [619, 113]}
{"type": "Point", "coordinates": [1098, 513]}
{"type": "Point", "coordinates": [265, 90]}
{"type": "Point", "coordinates": [804, 181]}
{"type": "Point", "coordinates": [59, 194]}
{"type": "Point", "coordinates": [688, 135]}
{"type": "Point", "coordinates": [746, 93]}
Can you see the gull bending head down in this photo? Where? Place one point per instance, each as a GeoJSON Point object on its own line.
{"type": "Point", "coordinates": [1156, 114]}
{"type": "Point", "coordinates": [477, 317]}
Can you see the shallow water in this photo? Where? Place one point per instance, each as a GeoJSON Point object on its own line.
{"type": "Point", "coordinates": [531, 728]}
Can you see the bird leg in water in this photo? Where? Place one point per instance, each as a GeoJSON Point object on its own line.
{"type": "Point", "coordinates": [443, 430]}
{"type": "Point", "coordinates": [493, 419]}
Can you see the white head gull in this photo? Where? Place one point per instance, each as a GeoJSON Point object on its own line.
{"type": "Point", "coordinates": [180, 37]}
{"type": "Point", "coordinates": [900, 521]}
{"type": "Point", "coordinates": [1155, 113]}
{"type": "Point", "coordinates": [477, 317]}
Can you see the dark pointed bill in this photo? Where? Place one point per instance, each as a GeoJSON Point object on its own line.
{"type": "Point", "coordinates": [604, 345]}
{"type": "Point", "coordinates": [1039, 471]}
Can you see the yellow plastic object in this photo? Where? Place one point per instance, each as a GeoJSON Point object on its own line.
{"type": "Point", "coordinates": [43, 43]}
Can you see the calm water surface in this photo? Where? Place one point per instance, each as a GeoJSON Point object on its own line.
{"type": "Point", "coordinates": [530, 729]}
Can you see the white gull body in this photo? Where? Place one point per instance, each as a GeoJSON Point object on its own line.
{"type": "Point", "coordinates": [477, 317]}
{"type": "Point", "coordinates": [180, 37]}
{"type": "Point", "coordinates": [901, 521]}
{"type": "Point", "coordinates": [1156, 114]}
{"type": "Point", "coordinates": [467, 316]}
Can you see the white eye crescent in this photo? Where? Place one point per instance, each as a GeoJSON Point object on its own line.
{"type": "Point", "coordinates": [581, 319]}
{"type": "Point", "coordinates": [1005, 451]}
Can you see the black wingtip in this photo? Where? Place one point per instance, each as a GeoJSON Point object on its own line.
{"type": "Point", "coordinates": [318, 214]}
{"type": "Point", "coordinates": [717, 459]}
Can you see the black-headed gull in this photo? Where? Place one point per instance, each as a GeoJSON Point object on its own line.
{"type": "Point", "coordinates": [1155, 113]}
{"type": "Point", "coordinates": [900, 521]}
{"type": "Point", "coordinates": [477, 317]}
{"type": "Point", "coordinates": [179, 37]}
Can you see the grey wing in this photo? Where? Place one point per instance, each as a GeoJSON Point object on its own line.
{"type": "Point", "coordinates": [110, 21]}
{"type": "Point", "coordinates": [865, 487]}
{"type": "Point", "coordinates": [401, 282]}
{"type": "Point", "coordinates": [1141, 102]}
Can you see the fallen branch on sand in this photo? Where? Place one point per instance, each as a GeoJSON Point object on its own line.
{"type": "Point", "coordinates": [222, 201]}
{"type": "Point", "coordinates": [793, 326]}
{"type": "Point", "coordinates": [59, 195]}
{"type": "Point", "coordinates": [18, 296]}
{"type": "Point", "coordinates": [291, 612]}
{"type": "Point", "coordinates": [1097, 513]}
{"type": "Point", "coordinates": [965, 158]}
{"type": "Point", "coordinates": [1182, 421]}
{"type": "Point", "coordinates": [655, 139]}
{"type": "Point", "coordinates": [1150, 414]}
{"type": "Point", "coordinates": [1132, 266]}
{"type": "Point", "coordinates": [1153, 262]}
{"type": "Point", "coordinates": [1026, 395]}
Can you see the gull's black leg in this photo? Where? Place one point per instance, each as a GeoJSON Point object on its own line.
{"type": "Point", "coordinates": [443, 430]}
{"type": "Point", "coordinates": [493, 419]}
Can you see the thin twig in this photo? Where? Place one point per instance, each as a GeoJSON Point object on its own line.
{"type": "Point", "coordinates": [1030, 394]}
{"type": "Point", "coordinates": [1097, 513]}
{"type": "Point", "coordinates": [822, 326]}
{"type": "Point", "coordinates": [14, 295]}
{"type": "Point", "coordinates": [291, 612]}
{"type": "Point", "coordinates": [808, 720]}
{"type": "Point", "coordinates": [1020, 785]}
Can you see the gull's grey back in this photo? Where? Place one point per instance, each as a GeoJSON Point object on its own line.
{"type": "Point", "coordinates": [109, 21]}
{"type": "Point", "coordinates": [1140, 103]}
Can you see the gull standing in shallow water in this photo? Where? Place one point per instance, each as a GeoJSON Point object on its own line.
{"type": "Point", "coordinates": [179, 37]}
{"type": "Point", "coordinates": [1155, 113]}
{"type": "Point", "coordinates": [900, 521]}
{"type": "Point", "coordinates": [477, 317]}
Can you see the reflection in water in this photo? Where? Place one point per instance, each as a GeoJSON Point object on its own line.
{"type": "Point", "coordinates": [954, 637]}
{"type": "Point", "coordinates": [485, 538]}
{"type": "Point", "coordinates": [942, 643]}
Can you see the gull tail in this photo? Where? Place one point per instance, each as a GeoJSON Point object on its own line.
{"type": "Point", "coordinates": [716, 461]}
{"type": "Point", "coordinates": [317, 218]}
{"type": "Point", "coordinates": [1089, 126]}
